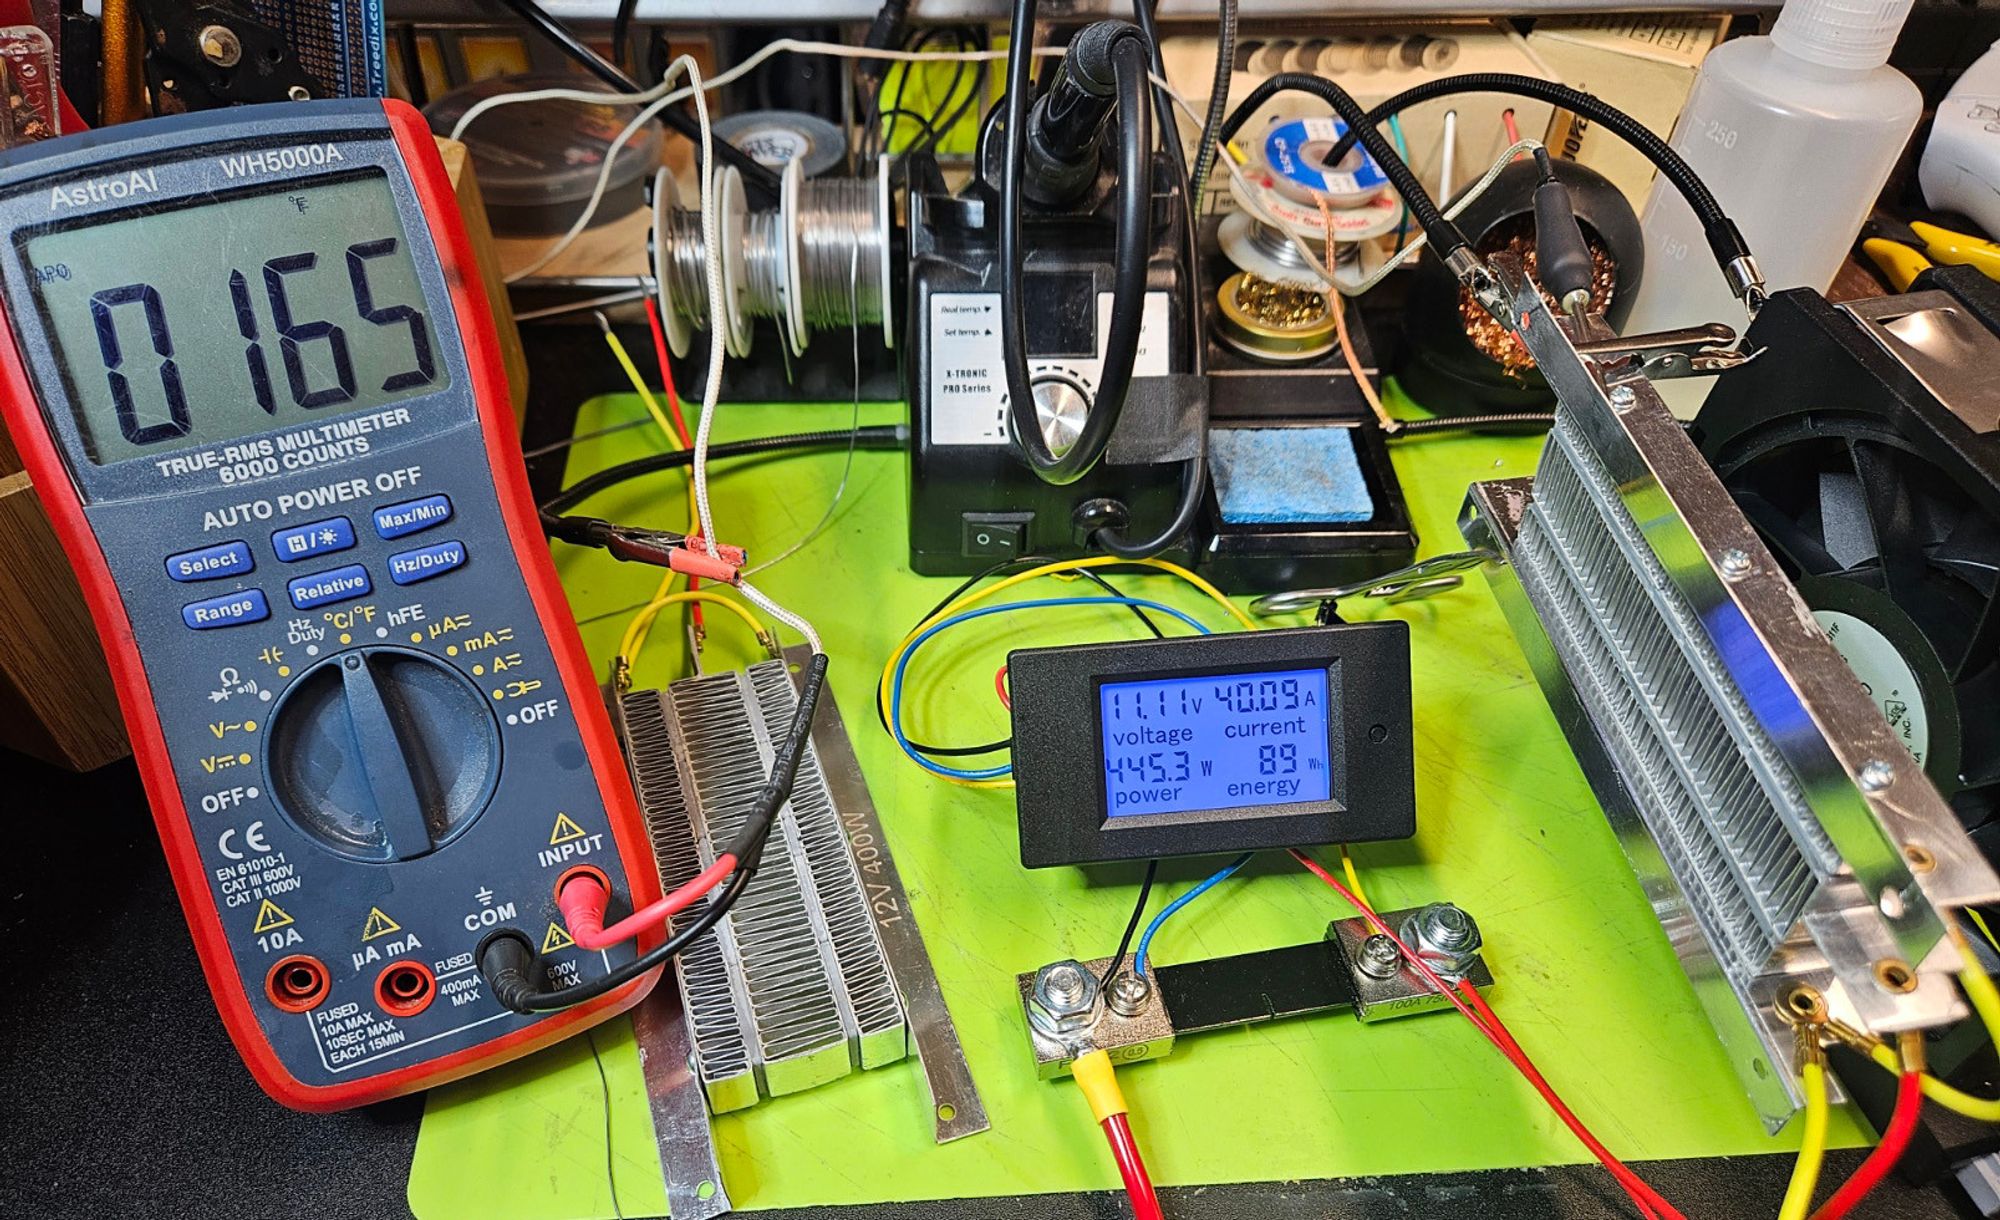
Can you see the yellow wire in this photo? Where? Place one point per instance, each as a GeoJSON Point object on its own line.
{"type": "Point", "coordinates": [1048, 569]}
{"type": "Point", "coordinates": [1979, 921]}
{"type": "Point", "coordinates": [1353, 879]}
{"type": "Point", "coordinates": [1812, 1145]}
{"type": "Point", "coordinates": [639, 387]}
{"type": "Point", "coordinates": [1985, 997]}
{"type": "Point", "coordinates": [628, 648]}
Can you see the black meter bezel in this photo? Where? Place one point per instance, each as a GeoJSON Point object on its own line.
{"type": "Point", "coordinates": [1059, 751]}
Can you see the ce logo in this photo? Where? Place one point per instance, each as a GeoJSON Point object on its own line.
{"type": "Point", "coordinates": [253, 838]}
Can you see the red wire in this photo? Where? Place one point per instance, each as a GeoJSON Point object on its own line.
{"type": "Point", "coordinates": [667, 372]}
{"type": "Point", "coordinates": [1902, 1125]}
{"type": "Point", "coordinates": [1132, 1167]}
{"type": "Point", "coordinates": [1000, 684]}
{"type": "Point", "coordinates": [582, 902]}
{"type": "Point", "coordinates": [1649, 1201]}
{"type": "Point", "coordinates": [1506, 117]}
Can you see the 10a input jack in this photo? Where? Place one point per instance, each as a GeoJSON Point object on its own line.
{"type": "Point", "coordinates": [298, 983]}
{"type": "Point", "coordinates": [405, 989]}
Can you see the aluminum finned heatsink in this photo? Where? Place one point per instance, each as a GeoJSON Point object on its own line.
{"type": "Point", "coordinates": [793, 990]}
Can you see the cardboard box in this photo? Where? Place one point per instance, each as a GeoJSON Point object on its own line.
{"type": "Point", "coordinates": [1643, 65]}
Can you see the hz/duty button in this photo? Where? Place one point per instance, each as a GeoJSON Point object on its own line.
{"type": "Point", "coordinates": [211, 562]}
{"type": "Point", "coordinates": [247, 606]}
{"type": "Point", "coordinates": [335, 585]}
{"type": "Point", "coordinates": [409, 567]}
{"type": "Point", "coordinates": [319, 538]}
{"type": "Point", "coordinates": [396, 520]}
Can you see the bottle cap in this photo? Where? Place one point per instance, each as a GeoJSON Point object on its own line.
{"type": "Point", "coordinates": [1841, 33]}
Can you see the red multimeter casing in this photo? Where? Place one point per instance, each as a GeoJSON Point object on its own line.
{"type": "Point", "coordinates": [247, 361]}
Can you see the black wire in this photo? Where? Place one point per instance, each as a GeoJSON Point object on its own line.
{"type": "Point", "coordinates": [1022, 561]}
{"type": "Point", "coordinates": [1444, 236]}
{"type": "Point", "coordinates": [747, 847]}
{"type": "Point", "coordinates": [1218, 105]}
{"type": "Point", "coordinates": [610, 1160]}
{"type": "Point", "coordinates": [621, 38]}
{"type": "Point", "coordinates": [942, 124]}
{"type": "Point", "coordinates": [874, 436]}
{"type": "Point", "coordinates": [1724, 241]}
{"type": "Point", "coordinates": [757, 177]}
{"type": "Point", "coordinates": [1526, 421]}
{"type": "Point", "coordinates": [1131, 925]}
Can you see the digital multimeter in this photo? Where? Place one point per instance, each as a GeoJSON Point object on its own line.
{"type": "Point", "coordinates": [251, 372]}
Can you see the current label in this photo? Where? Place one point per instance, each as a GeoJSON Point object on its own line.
{"type": "Point", "coordinates": [1179, 745]}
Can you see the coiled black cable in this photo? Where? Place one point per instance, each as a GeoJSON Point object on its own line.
{"type": "Point", "coordinates": [1130, 265]}
{"type": "Point", "coordinates": [1725, 242]}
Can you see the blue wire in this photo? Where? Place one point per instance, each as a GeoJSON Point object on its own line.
{"type": "Point", "coordinates": [1146, 938]}
{"type": "Point", "coordinates": [903, 662]}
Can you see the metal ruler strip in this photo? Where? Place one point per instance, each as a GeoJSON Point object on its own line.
{"type": "Point", "coordinates": [955, 1100]}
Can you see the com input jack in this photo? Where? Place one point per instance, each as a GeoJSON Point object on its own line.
{"type": "Point", "coordinates": [298, 983]}
{"type": "Point", "coordinates": [405, 989]}
{"type": "Point", "coordinates": [583, 870]}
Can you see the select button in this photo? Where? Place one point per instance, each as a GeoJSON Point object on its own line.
{"type": "Point", "coordinates": [211, 562]}
{"type": "Point", "coordinates": [334, 585]}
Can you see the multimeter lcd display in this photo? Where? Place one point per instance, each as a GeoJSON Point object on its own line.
{"type": "Point", "coordinates": [204, 324]}
{"type": "Point", "coordinates": [1178, 745]}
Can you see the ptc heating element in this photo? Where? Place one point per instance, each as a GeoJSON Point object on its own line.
{"type": "Point", "coordinates": [1796, 854]}
{"type": "Point", "coordinates": [794, 989]}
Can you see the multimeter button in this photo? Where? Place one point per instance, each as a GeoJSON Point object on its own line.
{"type": "Point", "coordinates": [319, 538]}
{"type": "Point", "coordinates": [247, 606]}
{"type": "Point", "coordinates": [395, 520]}
{"type": "Point", "coordinates": [409, 567]}
{"type": "Point", "coordinates": [211, 562]}
{"type": "Point", "coordinates": [336, 585]}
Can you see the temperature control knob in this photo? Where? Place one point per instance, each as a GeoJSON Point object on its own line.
{"type": "Point", "coordinates": [1061, 406]}
{"type": "Point", "coordinates": [383, 754]}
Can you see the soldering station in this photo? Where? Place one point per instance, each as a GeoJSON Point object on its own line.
{"type": "Point", "coordinates": [1263, 520]}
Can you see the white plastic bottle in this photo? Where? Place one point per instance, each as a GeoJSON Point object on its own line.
{"type": "Point", "coordinates": [1796, 134]}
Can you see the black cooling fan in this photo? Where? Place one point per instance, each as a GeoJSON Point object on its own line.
{"type": "Point", "coordinates": [1880, 494]}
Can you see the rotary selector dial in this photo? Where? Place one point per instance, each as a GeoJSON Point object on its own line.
{"type": "Point", "coordinates": [383, 754]}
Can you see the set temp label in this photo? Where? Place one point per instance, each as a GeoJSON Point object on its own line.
{"type": "Point", "coordinates": [968, 383]}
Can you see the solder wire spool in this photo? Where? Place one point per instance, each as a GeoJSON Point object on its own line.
{"type": "Point", "coordinates": [1359, 206]}
{"type": "Point", "coordinates": [819, 261]}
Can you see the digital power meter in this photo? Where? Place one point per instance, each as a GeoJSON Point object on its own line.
{"type": "Point", "coordinates": [1216, 743]}
{"type": "Point", "coordinates": [251, 372]}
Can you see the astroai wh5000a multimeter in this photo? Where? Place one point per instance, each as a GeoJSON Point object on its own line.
{"type": "Point", "coordinates": [249, 367]}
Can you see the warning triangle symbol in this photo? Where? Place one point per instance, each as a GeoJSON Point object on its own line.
{"type": "Point", "coordinates": [378, 925]}
{"type": "Point", "coordinates": [270, 917]}
{"type": "Point", "coordinates": [565, 830]}
{"type": "Point", "coordinates": [556, 939]}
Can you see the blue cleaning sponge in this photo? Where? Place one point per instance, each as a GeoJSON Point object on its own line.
{"type": "Point", "coordinates": [1285, 476]}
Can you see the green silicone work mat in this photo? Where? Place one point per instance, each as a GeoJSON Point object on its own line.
{"type": "Point", "coordinates": [1506, 827]}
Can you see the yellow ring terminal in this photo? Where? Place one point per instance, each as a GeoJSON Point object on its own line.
{"type": "Point", "coordinates": [1099, 1082]}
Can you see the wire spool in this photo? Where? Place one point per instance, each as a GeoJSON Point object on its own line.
{"type": "Point", "coordinates": [777, 138]}
{"type": "Point", "coordinates": [1252, 239]}
{"type": "Point", "coordinates": [820, 261]}
{"type": "Point", "coordinates": [1292, 152]}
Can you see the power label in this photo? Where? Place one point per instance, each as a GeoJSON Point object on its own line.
{"type": "Point", "coordinates": [968, 381]}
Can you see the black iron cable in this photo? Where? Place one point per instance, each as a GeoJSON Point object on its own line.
{"type": "Point", "coordinates": [1444, 236]}
{"type": "Point", "coordinates": [1218, 105]}
{"type": "Point", "coordinates": [511, 980]}
{"type": "Point", "coordinates": [1130, 259]}
{"type": "Point", "coordinates": [874, 436]}
{"type": "Point", "coordinates": [756, 177]}
{"type": "Point", "coordinates": [1194, 489]}
{"type": "Point", "coordinates": [1725, 242]}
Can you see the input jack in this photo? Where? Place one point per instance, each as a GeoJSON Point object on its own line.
{"type": "Point", "coordinates": [298, 983]}
{"type": "Point", "coordinates": [405, 989]}
{"type": "Point", "coordinates": [583, 870]}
